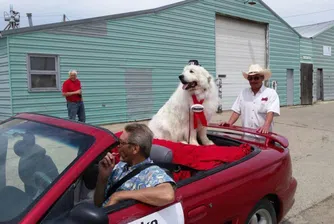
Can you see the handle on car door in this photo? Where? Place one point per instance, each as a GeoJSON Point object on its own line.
{"type": "Point", "coordinates": [197, 213]}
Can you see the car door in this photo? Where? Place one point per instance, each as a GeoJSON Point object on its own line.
{"type": "Point", "coordinates": [214, 197]}
{"type": "Point", "coordinates": [137, 213]}
{"type": "Point", "coordinates": [197, 201]}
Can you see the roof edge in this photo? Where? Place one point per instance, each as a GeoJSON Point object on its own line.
{"type": "Point", "coordinates": [94, 19]}
{"type": "Point", "coordinates": [323, 31]}
{"type": "Point", "coordinates": [121, 15]}
{"type": "Point", "coordinates": [280, 18]}
{"type": "Point", "coordinates": [314, 24]}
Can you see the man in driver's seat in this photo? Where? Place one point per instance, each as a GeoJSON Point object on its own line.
{"type": "Point", "coordinates": [151, 186]}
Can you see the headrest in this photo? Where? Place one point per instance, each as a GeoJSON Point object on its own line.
{"type": "Point", "coordinates": [29, 139]}
{"type": "Point", "coordinates": [161, 154]}
{"type": "Point", "coordinates": [22, 149]}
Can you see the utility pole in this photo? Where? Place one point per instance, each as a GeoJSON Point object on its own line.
{"type": "Point", "coordinates": [64, 18]}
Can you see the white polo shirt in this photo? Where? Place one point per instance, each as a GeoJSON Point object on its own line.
{"type": "Point", "coordinates": [254, 108]}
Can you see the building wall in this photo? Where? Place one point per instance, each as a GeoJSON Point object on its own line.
{"type": "Point", "coordinates": [5, 103]}
{"type": "Point", "coordinates": [325, 62]}
{"type": "Point", "coordinates": [306, 50]}
{"type": "Point", "coordinates": [129, 67]}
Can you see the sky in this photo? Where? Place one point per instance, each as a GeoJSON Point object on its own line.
{"type": "Point", "coordinates": [295, 12]}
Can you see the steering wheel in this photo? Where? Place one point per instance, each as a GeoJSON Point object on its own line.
{"type": "Point", "coordinates": [42, 181]}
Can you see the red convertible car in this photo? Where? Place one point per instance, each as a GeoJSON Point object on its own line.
{"type": "Point", "coordinates": [48, 172]}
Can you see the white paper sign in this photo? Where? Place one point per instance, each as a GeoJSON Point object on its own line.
{"type": "Point", "coordinates": [327, 50]}
{"type": "Point", "coordinates": [172, 214]}
{"type": "Point", "coordinates": [307, 57]}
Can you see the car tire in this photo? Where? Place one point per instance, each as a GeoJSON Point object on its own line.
{"type": "Point", "coordinates": [263, 211]}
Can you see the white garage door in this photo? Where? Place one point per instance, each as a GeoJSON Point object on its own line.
{"type": "Point", "coordinates": [238, 44]}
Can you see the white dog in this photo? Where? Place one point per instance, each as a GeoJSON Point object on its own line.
{"type": "Point", "coordinates": [175, 119]}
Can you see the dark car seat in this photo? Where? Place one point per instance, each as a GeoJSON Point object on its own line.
{"type": "Point", "coordinates": [13, 202]}
{"type": "Point", "coordinates": [33, 159]}
{"type": "Point", "coordinates": [161, 154]}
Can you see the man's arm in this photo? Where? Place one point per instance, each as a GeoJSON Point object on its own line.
{"type": "Point", "coordinates": [99, 191]}
{"type": "Point", "coordinates": [269, 119]}
{"type": "Point", "coordinates": [160, 195]}
{"type": "Point", "coordinates": [71, 93]}
{"type": "Point", "coordinates": [106, 165]}
{"type": "Point", "coordinates": [65, 90]}
{"type": "Point", "coordinates": [265, 128]}
{"type": "Point", "coordinates": [234, 117]}
{"type": "Point", "coordinates": [273, 109]}
{"type": "Point", "coordinates": [236, 108]}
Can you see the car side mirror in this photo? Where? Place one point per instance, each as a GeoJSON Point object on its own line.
{"type": "Point", "coordinates": [87, 213]}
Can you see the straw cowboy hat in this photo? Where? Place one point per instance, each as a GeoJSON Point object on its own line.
{"type": "Point", "coordinates": [257, 69]}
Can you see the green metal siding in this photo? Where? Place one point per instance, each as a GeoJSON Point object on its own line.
{"type": "Point", "coordinates": [160, 43]}
{"type": "Point", "coordinates": [306, 50]}
{"type": "Point", "coordinates": [101, 76]}
{"type": "Point", "coordinates": [325, 62]}
{"type": "Point", "coordinates": [5, 104]}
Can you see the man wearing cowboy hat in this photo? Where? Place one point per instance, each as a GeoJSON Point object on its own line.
{"type": "Point", "coordinates": [258, 104]}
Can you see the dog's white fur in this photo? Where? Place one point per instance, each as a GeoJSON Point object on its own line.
{"type": "Point", "coordinates": [172, 120]}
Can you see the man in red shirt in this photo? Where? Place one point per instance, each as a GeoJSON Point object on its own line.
{"type": "Point", "coordinates": [72, 92]}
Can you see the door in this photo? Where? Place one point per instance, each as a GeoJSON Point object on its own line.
{"type": "Point", "coordinates": [239, 43]}
{"type": "Point", "coordinates": [306, 84]}
{"type": "Point", "coordinates": [289, 87]}
{"type": "Point", "coordinates": [320, 84]}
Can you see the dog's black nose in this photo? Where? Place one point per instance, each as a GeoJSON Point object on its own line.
{"type": "Point", "coordinates": [181, 77]}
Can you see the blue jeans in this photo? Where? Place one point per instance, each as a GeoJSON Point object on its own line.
{"type": "Point", "coordinates": [76, 108]}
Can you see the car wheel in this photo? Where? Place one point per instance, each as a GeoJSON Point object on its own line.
{"type": "Point", "coordinates": [263, 213]}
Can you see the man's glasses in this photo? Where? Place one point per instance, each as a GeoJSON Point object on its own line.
{"type": "Point", "coordinates": [122, 143]}
{"type": "Point", "coordinates": [256, 78]}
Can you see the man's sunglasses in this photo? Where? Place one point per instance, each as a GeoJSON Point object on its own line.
{"type": "Point", "coordinates": [256, 78]}
{"type": "Point", "coordinates": [121, 143]}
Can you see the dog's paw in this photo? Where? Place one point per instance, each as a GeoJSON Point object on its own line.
{"type": "Point", "coordinates": [184, 142]}
{"type": "Point", "coordinates": [193, 142]}
{"type": "Point", "coordinates": [208, 142]}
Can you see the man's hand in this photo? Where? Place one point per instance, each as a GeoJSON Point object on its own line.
{"type": "Point", "coordinates": [72, 93]}
{"type": "Point", "coordinates": [225, 124]}
{"type": "Point", "coordinates": [106, 165]}
{"type": "Point", "coordinates": [264, 129]}
{"type": "Point", "coordinates": [78, 92]}
{"type": "Point", "coordinates": [115, 198]}
{"type": "Point", "coordinates": [234, 117]}
{"type": "Point", "coordinates": [160, 195]}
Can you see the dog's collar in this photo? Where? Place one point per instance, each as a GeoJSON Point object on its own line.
{"type": "Point", "coordinates": [199, 115]}
{"type": "Point", "coordinates": [195, 101]}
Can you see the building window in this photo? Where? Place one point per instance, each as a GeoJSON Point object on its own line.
{"type": "Point", "coordinates": [43, 73]}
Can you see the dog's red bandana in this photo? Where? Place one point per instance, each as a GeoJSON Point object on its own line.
{"type": "Point", "coordinates": [199, 115]}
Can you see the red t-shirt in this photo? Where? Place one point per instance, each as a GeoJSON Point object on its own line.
{"type": "Point", "coordinates": [72, 86]}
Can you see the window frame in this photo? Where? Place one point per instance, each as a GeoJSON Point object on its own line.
{"type": "Point", "coordinates": [43, 72]}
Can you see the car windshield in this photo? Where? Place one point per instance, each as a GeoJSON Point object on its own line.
{"type": "Point", "coordinates": [32, 156]}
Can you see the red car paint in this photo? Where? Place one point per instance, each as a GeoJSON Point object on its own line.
{"type": "Point", "coordinates": [227, 196]}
